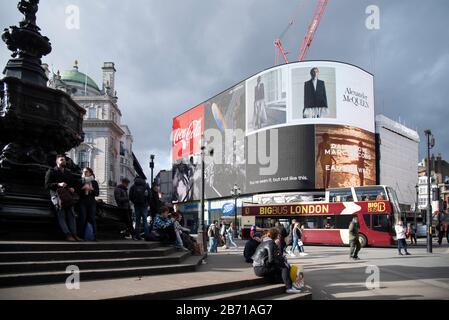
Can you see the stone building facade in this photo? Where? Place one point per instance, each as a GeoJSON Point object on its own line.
{"type": "Point", "coordinates": [107, 146]}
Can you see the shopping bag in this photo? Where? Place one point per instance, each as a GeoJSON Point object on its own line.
{"type": "Point", "coordinates": [297, 276]}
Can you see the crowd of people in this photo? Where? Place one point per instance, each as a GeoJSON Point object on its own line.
{"type": "Point", "coordinates": [221, 236]}
{"type": "Point", "coordinates": [69, 191]}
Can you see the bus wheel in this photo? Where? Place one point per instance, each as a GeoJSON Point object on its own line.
{"type": "Point", "coordinates": [363, 240]}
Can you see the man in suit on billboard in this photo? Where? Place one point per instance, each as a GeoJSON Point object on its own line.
{"type": "Point", "coordinates": [315, 99]}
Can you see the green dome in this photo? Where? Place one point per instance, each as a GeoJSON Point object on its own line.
{"type": "Point", "coordinates": [78, 77]}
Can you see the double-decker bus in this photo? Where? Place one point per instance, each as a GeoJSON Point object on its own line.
{"type": "Point", "coordinates": [327, 221]}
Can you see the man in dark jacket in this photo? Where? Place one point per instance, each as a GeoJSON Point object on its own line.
{"type": "Point", "coordinates": [315, 99]}
{"type": "Point", "coordinates": [122, 200]}
{"type": "Point", "coordinates": [139, 195]}
{"type": "Point", "coordinates": [155, 205]}
{"type": "Point", "coordinates": [61, 184]}
{"type": "Point", "coordinates": [354, 242]}
{"type": "Point", "coordinates": [269, 262]}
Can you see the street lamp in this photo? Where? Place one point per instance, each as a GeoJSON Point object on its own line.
{"type": "Point", "coordinates": [200, 240]}
{"type": "Point", "coordinates": [235, 193]}
{"type": "Point", "coordinates": [152, 167]}
{"type": "Point", "coordinates": [430, 145]}
{"type": "Point", "coordinates": [416, 206]}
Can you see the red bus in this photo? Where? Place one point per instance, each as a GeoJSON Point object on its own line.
{"type": "Point", "coordinates": [326, 222]}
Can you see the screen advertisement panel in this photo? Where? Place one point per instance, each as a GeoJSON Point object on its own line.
{"type": "Point", "coordinates": [186, 133]}
{"type": "Point", "coordinates": [344, 156]}
{"type": "Point", "coordinates": [302, 126]}
{"type": "Point", "coordinates": [311, 92]}
{"type": "Point", "coordinates": [224, 117]}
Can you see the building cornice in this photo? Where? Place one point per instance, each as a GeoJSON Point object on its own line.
{"type": "Point", "coordinates": [103, 123]}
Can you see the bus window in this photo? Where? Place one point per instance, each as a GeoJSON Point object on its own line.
{"type": "Point", "coordinates": [311, 223]}
{"type": "Point", "coordinates": [340, 195]}
{"type": "Point", "coordinates": [343, 221]}
{"type": "Point", "coordinates": [370, 193]}
{"type": "Point", "coordinates": [367, 218]}
{"type": "Point", "coordinates": [381, 222]}
{"type": "Point", "coordinates": [329, 222]}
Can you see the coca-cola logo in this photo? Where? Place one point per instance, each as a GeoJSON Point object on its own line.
{"type": "Point", "coordinates": [185, 135]}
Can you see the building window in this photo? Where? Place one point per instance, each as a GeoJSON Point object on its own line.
{"type": "Point", "coordinates": [83, 159]}
{"type": "Point", "coordinates": [122, 148]}
{"type": "Point", "coordinates": [92, 113]}
{"type": "Point", "coordinates": [88, 138]}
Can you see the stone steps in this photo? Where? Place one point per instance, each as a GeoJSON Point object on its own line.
{"type": "Point", "coordinates": [39, 263]}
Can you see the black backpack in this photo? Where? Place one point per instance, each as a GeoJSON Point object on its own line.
{"type": "Point", "coordinates": [139, 194]}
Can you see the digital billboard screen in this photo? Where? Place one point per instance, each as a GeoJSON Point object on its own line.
{"type": "Point", "coordinates": [301, 126]}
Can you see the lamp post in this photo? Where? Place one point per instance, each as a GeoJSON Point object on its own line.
{"type": "Point", "coordinates": [416, 205]}
{"type": "Point", "coordinates": [235, 192]}
{"type": "Point", "coordinates": [430, 145]}
{"type": "Point", "coordinates": [201, 242]}
{"type": "Point", "coordinates": [152, 168]}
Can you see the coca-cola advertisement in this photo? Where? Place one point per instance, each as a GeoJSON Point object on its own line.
{"type": "Point", "coordinates": [186, 133]}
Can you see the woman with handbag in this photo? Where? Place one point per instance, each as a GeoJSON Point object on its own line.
{"type": "Point", "coordinates": [87, 203]}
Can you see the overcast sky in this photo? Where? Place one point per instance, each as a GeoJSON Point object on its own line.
{"type": "Point", "coordinates": [171, 55]}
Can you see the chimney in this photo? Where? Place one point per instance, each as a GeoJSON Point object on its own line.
{"type": "Point", "coordinates": [109, 78]}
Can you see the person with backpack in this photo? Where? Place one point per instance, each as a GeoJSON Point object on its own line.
{"type": "Point", "coordinates": [87, 203]}
{"type": "Point", "coordinates": [139, 195]}
{"type": "Point", "coordinates": [213, 234]}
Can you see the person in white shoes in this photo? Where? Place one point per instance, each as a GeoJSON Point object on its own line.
{"type": "Point", "coordinates": [297, 242]}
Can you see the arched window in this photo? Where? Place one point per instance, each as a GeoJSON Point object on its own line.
{"type": "Point", "coordinates": [83, 159]}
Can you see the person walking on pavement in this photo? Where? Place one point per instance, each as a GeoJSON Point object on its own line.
{"type": "Point", "coordinates": [354, 242]}
{"type": "Point", "coordinates": [401, 237]}
{"type": "Point", "coordinates": [297, 241]}
{"type": "Point", "coordinates": [289, 239]}
{"type": "Point", "coordinates": [122, 200]}
{"type": "Point", "coordinates": [213, 234]}
{"type": "Point", "coordinates": [230, 235]}
{"type": "Point", "coordinates": [411, 233]}
{"type": "Point", "coordinates": [223, 236]}
{"type": "Point", "coordinates": [139, 196]}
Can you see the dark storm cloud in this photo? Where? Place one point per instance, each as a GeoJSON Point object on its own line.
{"type": "Point", "coordinates": [171, 55]}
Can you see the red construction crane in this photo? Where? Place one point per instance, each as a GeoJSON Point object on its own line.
{"type": "Point", "coordinates": [319, 11]}
{"type": "Point", "coordinates": [278, 45]}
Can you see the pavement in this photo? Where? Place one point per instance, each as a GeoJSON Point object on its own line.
{"type": "Point", "coordinates": [380, 274]}
{"type": "Point", "coordinates": [328, 271]}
